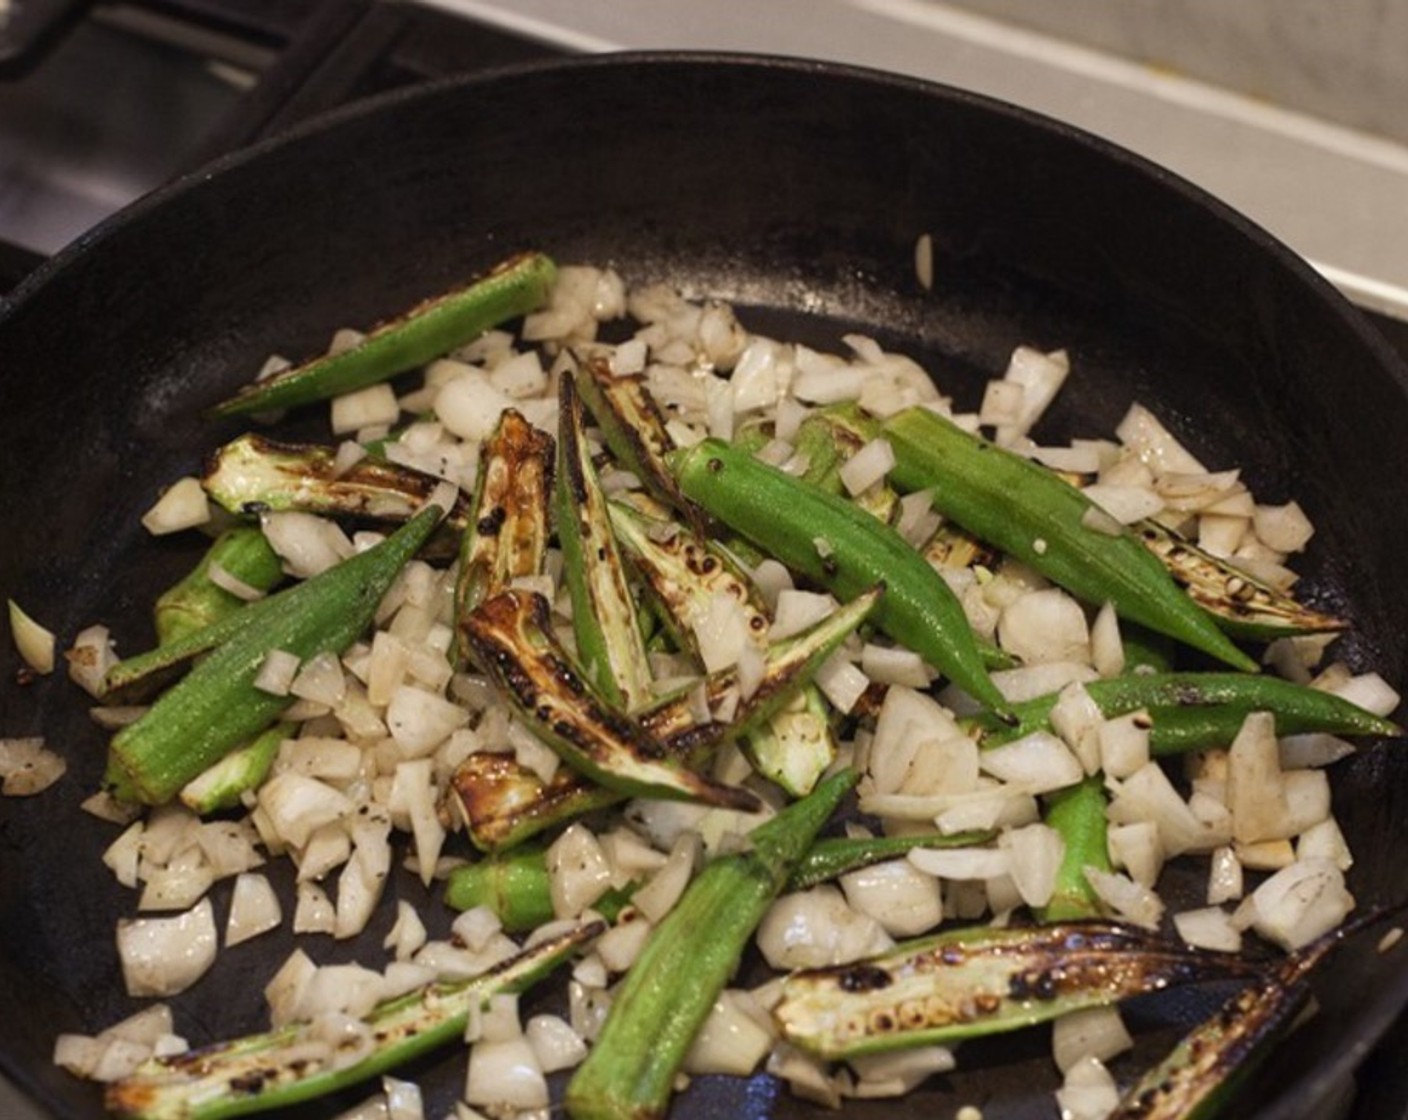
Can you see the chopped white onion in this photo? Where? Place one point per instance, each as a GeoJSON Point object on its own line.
{"type": "Point", "coordinates": [34, 643]}
{"type": "Point", "coordinates": [163, 956]}
{"type": "Point", "coordinates": [28, 767]}
{"type": "Point", "coordinates": [183, 505]}
{"type": "Point", "coordinates": [254, 908]}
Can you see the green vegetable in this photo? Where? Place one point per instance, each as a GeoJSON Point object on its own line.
{"type": "Point", "coordinates": [836, 544]}
{"type": "Point", "coordinates": [197, 601]}
{"type": "Point", "coordinates": [833, 856]}
{"type": "Point", "coordinates": [216, 706]}
{"type": "Point", "coordinates": [506, 535]}
{"type": "Point", "coordinates": [242, 770]}
{"type": "Point", "coordinates": [292, 1064]}
{"type": "Point", "coordinates": [965, 983]}
{"type": "Point", "coordinates": [1030, 514]}
{"type": "Point", "coordinates": [610, 649]}
{"type": "Point", "coordinates": [514, 287]}
{"type": "Point", "coordinates": [1078, 814]}
{"type": "Point", "coordinates": [689, 957]}
{"type": "Point", "coordinates": [511, 637]}
{"type": "Point", "coordinates": [1193, 711]}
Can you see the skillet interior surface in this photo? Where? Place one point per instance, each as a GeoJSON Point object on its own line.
{"type": "Point", "coordinates": [796, 190]}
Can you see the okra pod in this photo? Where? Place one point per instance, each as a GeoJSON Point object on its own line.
{"type": "Point", "coordinates": [1241, 604]}
{"type": "Point", "coordinates": [1193, 711]}
{"type": "Point", "coordinates": [970, 982]}
{"type": "Point", "coordinates": [503, 802]}
{"type": "Point", "coordinates": [512, 288]}
{"type": "Point", "coordinates": [242, 770]}
{"type": "Point", "coordinates": [512, 638]}
{"type": "Point", "coordinates": [687, 960]}
{"type": "Point", "coordinates": [297, 1063]}
{"type": "Point", "coordinates": [506, 534]}
{"type": "Point", "coordinates": [827, 439]}
{"type": "Point", "coordinates": [1199, 1079]}
{"type": "Point", "coordinates": [197, 600]}
{"type": "Point", "coordinates": [216, 706]}
{"type": "Point", "coordinates": [834, 543]}
{"type": "Point", "coordinates": [610, 648]}
{"type": "Point", "coordinates": [1077, 813]}
{"type": "Point", "coordinates": [1024, 510]}
{"type": "Point", "coordinates": [632, 425]}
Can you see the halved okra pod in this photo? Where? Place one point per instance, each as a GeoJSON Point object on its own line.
{"type": "Point", "coordinates": [434, 326]}
{"type": "Point", "coordinates": [511, 637]}
{"type": "Point", "coordinates": [839, 546]}
{"type": "Point", "coordinates": [296, 1063]}
{"type": "Point", "coordinates": [965, 983]}
{"type": "Point", "coordinates": [503, 802]}
{"type": "Point", "coordinates": [1192, 711]}
{"type": "Point", "coordinates": [216, 706]}
{"type": "Point", "coordinates": [1032, 515]}
{"type": "Point", "coordinates": [687, 960]}
{"type": "Point", "coordinates": [610, 649]}
{"type": "Point", "coordinates": [506, 534]}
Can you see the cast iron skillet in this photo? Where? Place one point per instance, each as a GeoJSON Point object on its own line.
{"type": "Point", "coordinates": [798, 191]}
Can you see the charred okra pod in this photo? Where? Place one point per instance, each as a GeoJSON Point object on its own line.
{"type": "Point", "coordinates": [198, 600]}
{"type": "Point", "coordinates": [1032, 515]}
{"type": "Point", "coordinates": [503, 803]}
{"type": "Point", "coordinates": [630, 1072]}
{"type": "Point", "coordinates": [834, 543]}
{"type": "Point", "coordinates": [216, 706]}
{"type": "Point", "coordinates": [296, 1063]}
{"type": "Point", "coordinates": [630, 421]}
{"type": "Point", "coordinates": [970, 982]}
{"type": "Point", "coordinates": [512, 638]}
{"type": "Point", "coordinates": [434, 326]}
{"type": "Point", "coordinates": [610, 649]}
{"type": "Point", "coordinates": [506, 536]}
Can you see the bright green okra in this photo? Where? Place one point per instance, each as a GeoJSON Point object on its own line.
{"type": "Point", "coordinates": [223, 785]}
{"type": "Point", "coordinates": [1194, 711]}
{"type": "Point", "coordinates": [669, 991]}
{"type": "Point", "coordinates": [431, 328]}
{"type": "Point", "coordinates": [216, 706]}
{"type": "Point", "coordinates": [296, 1063]}
{"type": "Point", "coordinates": [1077, 813]}
{"type": "Point", "coordinates": [197, 600]}
{"type": "Point", "coordinates": [841, 547]}
{"type": "Point", "coordinates": [1032, 515]}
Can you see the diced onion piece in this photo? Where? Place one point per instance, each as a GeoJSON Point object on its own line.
{"type": "Point", "coordinates": [307, 544]}
{"type": "Point", "coordinates": [578, 873]}
{"type": "Point", "coordinates": [413, 794]}
{"type": "Point", "coordinates": [867, 466]}
{"type": "Point", "coordinates": [183, 505]}
{"type": "Point", "coordinates": [163, 956]}
{"type": "Point", "coordinates": [1002, 403]}
{"type": "Point", "coordinates": [1038, 763]}
{"type": "Point", "coordinates": [841, 682]}
{"type": "Point", "coordinates": [1093, 1032]}
{"type": "Point", "coordinates": [1284, 528]}
{"type": "Point", "coordinates": [1124, 744]}
{"type": "Point", "coordinates": [34, 643]}
{"type": "Point", "coordinates": [1106, 645]}
{"type": "Point", "coordinates": [619, 946]}
{"type": "Point", "coordinates": [364, 408]}
{"type": "Point", "coordinates": [797, 610]}
{"type": "Point", "coordinates": [898, 1072]}
{"type": "Point", "coordinates": [1371, 692]}
{"type": "Point", "coordinates": [1126, 504]}
{"type": "Point", "coordinates": [1077, 719]}
{"type": "Point", "coordinates": [1208, 928]}
{"type": "Point", "coordinates": [420, 721]}
{"type": "Point", "coordinates": [1128, 899]}
{"type": "Point", "coordinates": [1089, 1092]}
{"type": "Point", "coordinates": [1035, 852]}
{"type": "Point", "coordinates": [470, 405]}
{"type": "Point", "coordinates": [90, 658]}
{"type": "Point", "coordinates": [721, 632]}
{"type": "Point", "coordinates": [254, 908]}
{"type": "Point", "coordinates": [1325, 841]}
{"type": "Point", "coordinates": [903, 899]}
{"type": "Point", "coordinates": [734, 1038]}
{"type": "Point", "coordinates": [1255, 791]}
{"type": "Point", "coordinates": [658, 896]}
{"type": "Point", "coordinates": [555, 1044]}
{"type": "Point", "coordinates": [1136, 847]}
{"type": "Point", "coordinates": [815, 928]}
{"type": "Point", "coordinates": [1301, 902]}
{"type": "Point", "coordinates": [505, 1075]}
{"type": "Point", "coordinates": [962, 863]}
{"type": "Point", "coordinates": [1142, 432]}
{"type": "Point", "coordinates": [403, 1099]}
{"type": "Point", "coordinates": [1147, 794]}
{"type": "Point", "coordinates": [28, 767]}
{"type": "Point", "coordinates": [276, 673]}
{"type": "Point", "coordinates": [894, 665]}
{"type": "Point", "coordinates": [1044, 626]}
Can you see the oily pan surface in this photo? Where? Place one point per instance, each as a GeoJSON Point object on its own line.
{"type": "Point", "coordinates": [796, 191]}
